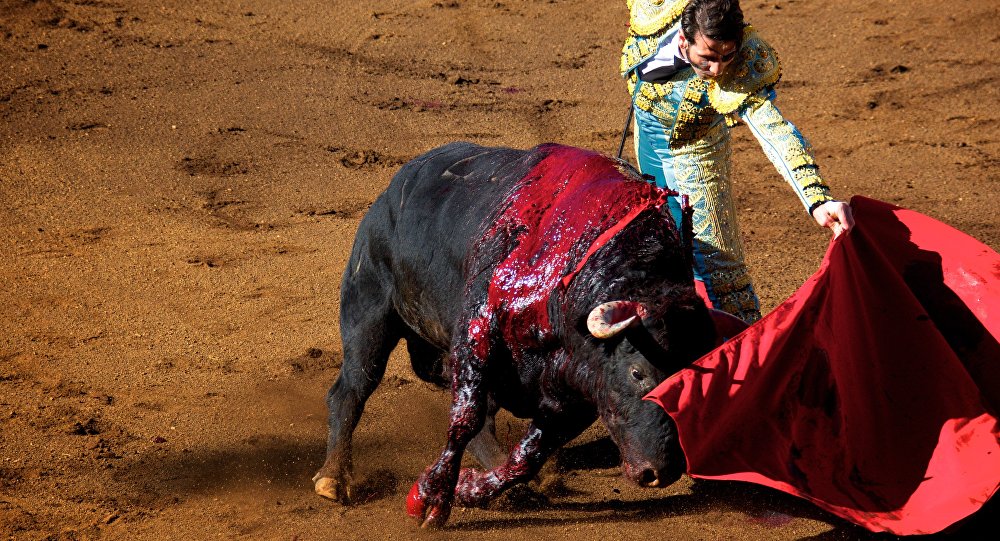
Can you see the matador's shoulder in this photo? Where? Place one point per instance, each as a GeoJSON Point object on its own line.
{"type": "Point", "coordinates": [647, 17]}
{"type": "Point", "coordinates": [755, 68]}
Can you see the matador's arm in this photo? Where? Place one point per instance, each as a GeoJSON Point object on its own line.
{"type": "Point", "coordinates": [786, 147]}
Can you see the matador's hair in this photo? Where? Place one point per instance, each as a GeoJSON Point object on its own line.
{"type": "Point", "coordinates": [720, 20]}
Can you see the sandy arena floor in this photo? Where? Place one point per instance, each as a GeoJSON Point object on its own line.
{"type": "Point", "coordinates": [179, 187]}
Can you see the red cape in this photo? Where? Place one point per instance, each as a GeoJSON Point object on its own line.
{"type": "Point", "coordinates": [872, 391]}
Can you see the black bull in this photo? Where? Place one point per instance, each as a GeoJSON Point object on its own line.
{"type": "Point", "coordinates": [550, 282]}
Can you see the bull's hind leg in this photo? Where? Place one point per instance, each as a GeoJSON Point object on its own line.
{"type": "Point", "coordinates": [370, 329]}
{"type": "Point", "coordinates": [484, 446]}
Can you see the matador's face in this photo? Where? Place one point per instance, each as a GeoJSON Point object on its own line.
{"type": "Point", "coordinates": [708, 57]}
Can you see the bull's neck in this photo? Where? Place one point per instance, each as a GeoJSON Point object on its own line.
{"type": "Point", "coordinates": [573, 376]}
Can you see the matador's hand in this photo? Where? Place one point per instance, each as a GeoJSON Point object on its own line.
{"type": "Point", "coordinates": [836, 215]}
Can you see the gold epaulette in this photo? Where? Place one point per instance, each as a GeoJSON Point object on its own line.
{"type": "Point", "coordinates": [650, 16]}
{"type": "Point", "coordinates": [755, 68]}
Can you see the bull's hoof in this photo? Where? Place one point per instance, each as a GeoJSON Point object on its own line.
{"type": "Point", "coordinates": [423, 511]}
{"type": "Point", "coordinates": [330, 489]}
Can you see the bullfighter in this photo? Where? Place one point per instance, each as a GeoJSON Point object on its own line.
{"type": "Point", "coordinates": [694, 69]}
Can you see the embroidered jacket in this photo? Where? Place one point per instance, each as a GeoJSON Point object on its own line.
{"type": "Point", "coordinates": [691, 108]}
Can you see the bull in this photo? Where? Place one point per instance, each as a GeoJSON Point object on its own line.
{"type": "Point", "coordinates": [550, 282]}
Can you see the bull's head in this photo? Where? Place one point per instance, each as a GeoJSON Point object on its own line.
{"type": "Point", "coordinates": [642, 351]}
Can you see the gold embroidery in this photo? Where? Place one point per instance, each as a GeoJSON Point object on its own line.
{"type": "Point", "coordinates": [797, 157]}
{"type": "Point", "coordinates": [814, 190]}
{"type": "Point", "coordinates": [729, 281]}
{"type": "Point", "coordinates": [757, 69]}
{"type": "Point", "coordinates": [742, 303]}
{"type": "Point", "coordinates": [693, 119]}
{"type": "Point", "coordinates": [647, 17]}
{"type": "Point", "coordinates": [655, 98]}
{"type": "Point", "coordinates": [702, 171]}
{"type": "Point", "coordinates": [788, 146]}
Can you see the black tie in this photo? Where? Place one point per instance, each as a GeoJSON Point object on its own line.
{"type": "Point", "coordinates": [663, 74]}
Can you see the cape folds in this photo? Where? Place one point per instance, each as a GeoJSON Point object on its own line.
{"type": "Point", "coordinates": [872, 391]}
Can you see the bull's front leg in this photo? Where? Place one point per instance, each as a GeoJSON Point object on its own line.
{"type": "Point", "coordinates": [545, 434]}
{"type": "Point", "coordinates": [431, 497]}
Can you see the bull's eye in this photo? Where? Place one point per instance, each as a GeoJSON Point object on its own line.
{"type": "Point", "coordinates": [637, 375]}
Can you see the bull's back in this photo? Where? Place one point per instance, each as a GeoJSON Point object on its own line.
{"type": "Point", "coordinates": [417, 236]}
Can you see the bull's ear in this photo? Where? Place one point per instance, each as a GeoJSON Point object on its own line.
{"type": "Point", "coordinates": [726, 324]}
{"type": "Point", "coordinates": [613, 317]}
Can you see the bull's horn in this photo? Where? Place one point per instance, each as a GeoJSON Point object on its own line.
{"type": "Point", "coordinates": [611, 318]}
{"type": "Point", "coordinates": [726, 324]}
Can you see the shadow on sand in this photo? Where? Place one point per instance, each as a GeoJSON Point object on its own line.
{"type": "Point", "coordinates": [761, 505]}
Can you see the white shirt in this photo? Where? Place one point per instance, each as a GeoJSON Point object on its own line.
{"type": "Point", "coordinates": [666, 62]}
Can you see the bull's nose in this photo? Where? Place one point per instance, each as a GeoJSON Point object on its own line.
{"type": "Point", "coordinates": [649, 478]}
